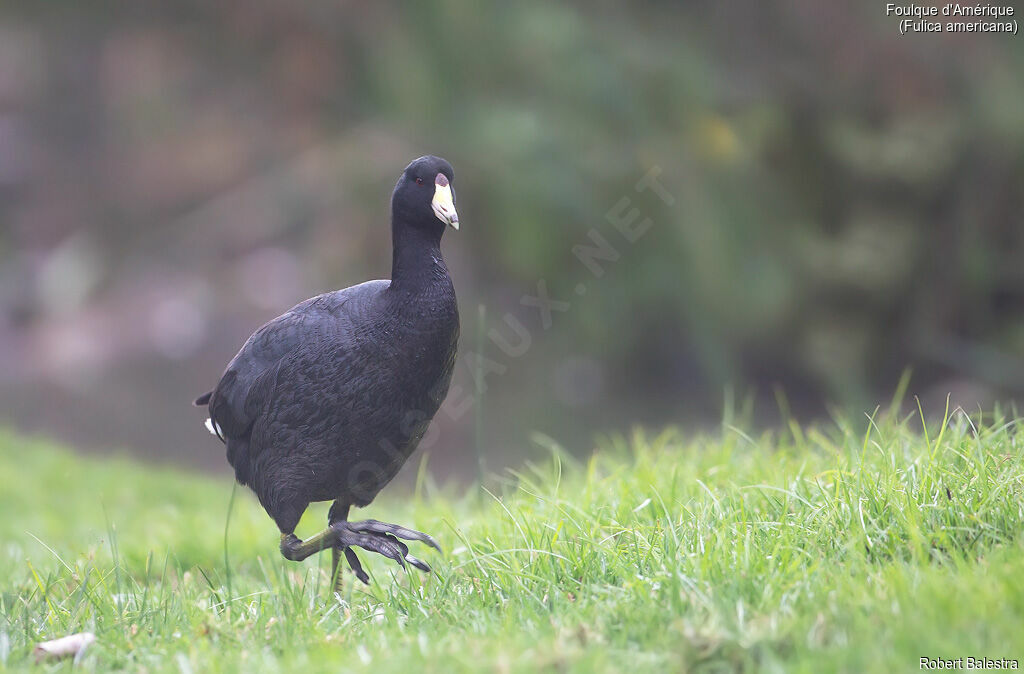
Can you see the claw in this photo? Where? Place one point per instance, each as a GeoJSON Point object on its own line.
{"type": "Point", "coordinates": [375, 527]}
{"type": "Point", "coordinates": [357, 568]}
{"type": "Point", "coordinates": [418, 563]}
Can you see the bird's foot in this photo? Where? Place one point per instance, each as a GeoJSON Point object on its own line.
{"type": "Point", "coordinates": [381, 538]}
{"type": "Point", "coordinates": [370, 535]}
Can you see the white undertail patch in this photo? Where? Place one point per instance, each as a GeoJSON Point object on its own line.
{"type": "Point", "coordinates": [214, 428]}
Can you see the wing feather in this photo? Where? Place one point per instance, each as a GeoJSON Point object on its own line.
{"type": "Point", "coordinates": [231, 409]}
{"type": "Point", "coordinates": [243, 388]}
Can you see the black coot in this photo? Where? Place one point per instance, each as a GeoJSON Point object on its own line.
{"type": "Point", "coordinates": [327, 401]}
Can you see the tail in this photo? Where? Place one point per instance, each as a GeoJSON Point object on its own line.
{"type": "Point", "coordinates": [203, 400]}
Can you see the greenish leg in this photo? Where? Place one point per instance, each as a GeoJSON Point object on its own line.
{"type": "Point", "coordinates": [336, 570]}
{"type": "Point", "coordinates": [297, 550]}
{"type": "Point", "coordinates": [337, 513]}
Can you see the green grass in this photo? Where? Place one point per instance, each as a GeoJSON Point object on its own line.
{"type": "Point", "coordinates": [849, 547]}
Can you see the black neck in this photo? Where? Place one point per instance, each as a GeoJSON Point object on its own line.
{"type": "Point", "coordinates": [416, 261]}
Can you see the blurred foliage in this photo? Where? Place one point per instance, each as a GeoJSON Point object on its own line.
{"type": "Point", "coordinates": [847, 202]}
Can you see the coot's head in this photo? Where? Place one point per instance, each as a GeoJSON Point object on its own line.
{"type": "Point", "coordinates": [424, 196]}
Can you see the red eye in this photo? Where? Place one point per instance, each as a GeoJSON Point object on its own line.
{"type": "Point", "coordinates": [419, 181]}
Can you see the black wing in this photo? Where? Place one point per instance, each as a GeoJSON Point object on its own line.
{"type": "Point", "coordinates": [233, 407]}
{"type": "Point", "coordinates": [250, 376]}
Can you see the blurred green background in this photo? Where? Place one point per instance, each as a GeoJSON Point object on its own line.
{"type": "Point", "coordinates": [845, 203]}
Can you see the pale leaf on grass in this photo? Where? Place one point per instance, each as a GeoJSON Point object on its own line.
{"type": "Point", "coordinates": [71, 646]}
